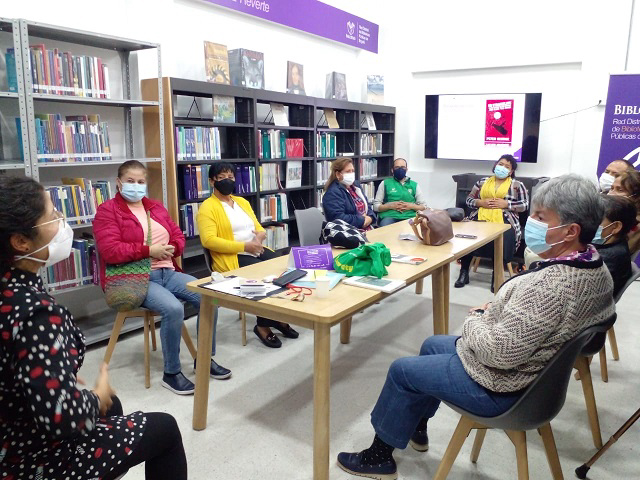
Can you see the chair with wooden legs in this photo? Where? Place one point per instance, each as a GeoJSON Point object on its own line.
{"type": "Point", "coordinates": [475, 262]}
{"type": "Point", "coordinates": [149, 331]}
{"type": "Point", "coordinates": [539, 404]}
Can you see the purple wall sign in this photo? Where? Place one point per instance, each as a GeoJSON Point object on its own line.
{"type": "Point", "coordinates": [621, 129]}
{"type": "Point", "coordinates": [311, 16]}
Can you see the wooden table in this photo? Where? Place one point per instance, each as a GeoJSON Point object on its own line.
{"type": "Point", "coordinates": [320, 315]}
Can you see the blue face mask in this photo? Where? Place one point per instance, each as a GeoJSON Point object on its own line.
{"type": "Point", "coordinates": [399, 173]}
{"type": "Point", "coordinates": [501, 172]}
{"type": "Point", "coordinates": [597, 239]}
{"type": "Point", "coordinates": [535, 235]}
{"type": "Point", "coordinates": [133, 192]}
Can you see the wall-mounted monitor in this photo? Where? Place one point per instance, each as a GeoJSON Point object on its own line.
{"type": "Point", "coordinates": [482, 126]}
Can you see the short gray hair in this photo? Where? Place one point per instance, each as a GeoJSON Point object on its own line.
{"type": "Point", "coordinates": [575, 199]}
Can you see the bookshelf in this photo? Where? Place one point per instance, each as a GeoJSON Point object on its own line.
{"type": "Point", "coordinates": [189, 103]}
{"type": "Point", "coordinates": [112, 65]}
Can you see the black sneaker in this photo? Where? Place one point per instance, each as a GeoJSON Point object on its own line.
{"type": "Point", "coordinates": [178, 383]}
{"type": "Point", "coordinates": [352, 463]}
{"type": "Point", "coordinates": [420, 440]}
{"type": "Point", "coordinates": [216, 371]}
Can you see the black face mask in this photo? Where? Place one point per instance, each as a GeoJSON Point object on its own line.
{"type": "Point", "coordinates": [225, 186]}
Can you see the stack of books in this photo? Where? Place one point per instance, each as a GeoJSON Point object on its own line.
{"type": "Point", "coordinates": [323, 171]}
{"type": "Point", "coordinates": [368, 168]}
{"type": "Point", "coordinates": [277, 237]}
{"type": "Point", "coordinates": [325, 145]}
{"type": "Point", "coordinates": [272, 144]}
{"type": "Point", "coordinates": [78, 138]}
{"type": "Point", "coordinates": [273, 208]}
{"type": "Point", "coordinates": [371, 144]}
{"type": "Point", "coordinates": [61, 73]}
{"type": "Point", "coordinates": [79, 269]}
{"type": "Point", "coordinates": [198, 143]}
{"type": "Point", "coordinates": [270, 176]}
{"type": "Point", "coordinates": [369, 189]}
{"type": "Point", "coordinates": [78, 199]}
{"type": "Point", "coordinates": [188, 216]}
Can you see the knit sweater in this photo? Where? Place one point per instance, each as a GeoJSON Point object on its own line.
{"type": "Point", "coordinates": [533, 315]}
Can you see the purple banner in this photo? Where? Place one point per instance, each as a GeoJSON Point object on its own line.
{"type": "Point", "coordinates": [311, 16]}
{"type": "Point", "coordinates": [621, 129]}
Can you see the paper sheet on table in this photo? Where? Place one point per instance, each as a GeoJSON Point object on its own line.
{"type": "Point", "coordinates": [232, 287]}
{"type": "Point", "coordinates": [309, 280]}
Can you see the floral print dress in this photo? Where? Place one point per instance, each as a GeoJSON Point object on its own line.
{"type": "Point", "coordinates": [49, 428]}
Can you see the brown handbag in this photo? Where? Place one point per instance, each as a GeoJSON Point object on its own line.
{"type": "Point", "coordinates": [432, 227]}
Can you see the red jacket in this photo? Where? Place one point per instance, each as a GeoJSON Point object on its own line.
{"type": "Point", "coordinates": [119, 236]}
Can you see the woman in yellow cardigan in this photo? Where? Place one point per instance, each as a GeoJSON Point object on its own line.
{"type": "Point", "coordinates": [231, 232]}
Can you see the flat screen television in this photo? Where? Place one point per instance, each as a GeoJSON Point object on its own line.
{"type": "Point", "coordinates": [482, 126]}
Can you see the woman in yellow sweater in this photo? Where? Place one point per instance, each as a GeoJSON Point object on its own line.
{"type": "Point", "coordinates": [231, 232]}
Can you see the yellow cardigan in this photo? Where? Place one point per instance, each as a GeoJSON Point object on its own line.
{"type": "Point", "coordinates": [216, 234]}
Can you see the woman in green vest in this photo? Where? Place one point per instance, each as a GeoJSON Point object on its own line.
{"type": "Point", "coordinates": [398, 198]}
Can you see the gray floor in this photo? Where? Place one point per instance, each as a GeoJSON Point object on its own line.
{"type": "Point", "coordinates": [260, 420]}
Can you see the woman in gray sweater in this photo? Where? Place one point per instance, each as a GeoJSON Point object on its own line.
{"type": "Point", "coordinates": [505, 343]}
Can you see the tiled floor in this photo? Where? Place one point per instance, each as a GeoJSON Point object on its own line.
{"type": "Point", "coordinates": [260, 420]}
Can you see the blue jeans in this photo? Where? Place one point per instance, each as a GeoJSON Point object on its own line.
{"type": "Point", "coordinates": [383, 222]}
{"type": "Point", "coordinates": [166, 288]}
{"type": "Point", "coordinates": [416, 385]}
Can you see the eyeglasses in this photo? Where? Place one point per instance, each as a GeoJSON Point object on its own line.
{"type": "Point", "coordinates": [59, 216]}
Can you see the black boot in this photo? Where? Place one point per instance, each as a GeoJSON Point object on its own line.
{"type": "Point", "coordinates": [463, 279]}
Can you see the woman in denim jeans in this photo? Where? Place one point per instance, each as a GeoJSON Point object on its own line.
{"type": "Point", "coordinates": [120, 228]}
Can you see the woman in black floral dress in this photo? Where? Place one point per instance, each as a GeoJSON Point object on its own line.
{"type": "Point", "coordinates": [51, 429]}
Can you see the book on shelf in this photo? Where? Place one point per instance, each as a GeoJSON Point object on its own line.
{"type": "Point", "coordinates": [273, 208]}
{"type": "Point", "coordinates": [216, 63]}
{"type": "Point", "coordinates": [369, 190]}
{"type": "Point", "coordinates": [77, 138]}
{"type": "Point", "coordinates": [325, 145]}
{"type": "Point", "coordinates": [330, 115]}
{"type": "Point", "coordinates": [245, 179]}
{"type": "Point", "coordinates": [336, 86]}
{"type": "Point", "coordinates": [188, 219]}
{"type": "Point", "coordinates": [79, 198]}
{"type": "Point", "coordinates": [368, 168]}
{"type": "Point", "coordinates": [195, 181]}
{"type": "Point", "coordinates": [12, 77]}
{"type": "Point", "coordinates": [319, 195]}
{"type": "Point", "coordinates": [277, 236]}
{"type": "Point", "coordinates": [198, 143]}
{"type": "Point", "coordinates": [272, 144]}
{"type": "Point", "coordinates": [375, 90]}
{"type": "Point", "coordinates": [19, 137]}
{"type": "Point", "coordinates": [294, 174]}
{"type": "Point", "coordinates": [79, 269]}
{"type": "Point", "coordinates": [270, 174]}
{"type": "Point", "coordinates": [371, 144]}
{"type": "Point", "coordinates": [371, 122]}
{"type": "Point", "coordinates": [224, 109]}
{"type": "Point", "coordinates": [323, 171]}
{"type": "Point", "coordinates": [247, 68]}
{"type": "Point", "coordinates": [94, 193]}
{"type": "Point", "coordinates": [280, 118]}
{"type": "Point", "coordinates": [294, 147]}
{"type": "Point", "coordinates": [61, 73]}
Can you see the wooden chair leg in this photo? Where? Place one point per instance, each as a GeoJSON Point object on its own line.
{"type": "Point", "coordinates": [115, 333]}
{"type": "Point", "coordinates": [475, 261]}
{"type": "Point", "coordinates": [455, 444]}
{"type": "Point", "coordinates": [604, 373]}
{"type": "Point", "coordinates": [477, 444]}
{"type": "Point", "coordinates": [519, 439]}
{"type": "Point", "coordinates": [419, 285]}
{"type": "Point", "coordinates": [187, 340]}
{"type": "Point", "coordinates": [243, 319]}
{"type": "Point", "coordinates": [551, 451]}
{"type": "Point", "coordinates": [614, 345]}
{"type": "Point", "coordinates": [148, 318]}
{"type": "Point", "coordinates": [582, 364]}
{"type": "Point", "coordinates": [154, 347]}
{"type": "Point", "coordinates": [345, 331]}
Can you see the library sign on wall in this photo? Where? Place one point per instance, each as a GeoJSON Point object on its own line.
{"type": "Point", "coordinates": [621, 130]}
{"type": "Point", "coordinates": [311, 16]}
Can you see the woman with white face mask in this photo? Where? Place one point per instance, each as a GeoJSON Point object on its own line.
{"type": "Point", "coordinates": [343, 198]}
{"type": "Point", "coordinates": [52, 427]}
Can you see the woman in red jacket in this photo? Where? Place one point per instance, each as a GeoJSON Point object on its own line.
{"type": "Point", "coordinates": [120, 228]}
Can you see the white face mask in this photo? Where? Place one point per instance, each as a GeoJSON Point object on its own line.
{"type": "Point", "coordinates": [349, 178]}
{"type": "Point", "coordinates": [59, 246]}
{"type": "Point", "coordinates": [606, 181]}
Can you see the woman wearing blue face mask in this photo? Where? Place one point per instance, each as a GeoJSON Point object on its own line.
{"type": "Point", "coordinates": [498, 199]}
{"type": "Point", "coordinates": [53, 427]}
{"type": "Point", "coordinates": [121, 227]}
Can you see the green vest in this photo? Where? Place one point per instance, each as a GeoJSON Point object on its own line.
{"type": "Point", "coordinates": [395, 191]}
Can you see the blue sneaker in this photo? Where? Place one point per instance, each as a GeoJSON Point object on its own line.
{"type": "Point", "coordinates": [353, 464]}
{"type": "Point", "coordinates": [178, 384]}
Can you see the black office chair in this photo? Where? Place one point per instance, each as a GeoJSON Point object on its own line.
{"type": "Point", "coordinates": [538, 405]}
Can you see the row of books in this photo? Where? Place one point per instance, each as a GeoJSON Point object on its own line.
{"type": "Point", "coordinates": [188, 219]}
{"type": "Point", "coordinates": [72, 138]}
{"type": "Point", "coordinates": [270, 176]}
{"type": "Point", "coordinates": [371, 144]}
{"type": "Point", "coordinates": [369, 190]}
{"type": "Point", "coordinates": [198, 143]}
{"type": "Point", "coordinates": [273, 208]}
{"type": "Point", "coordinates": [325, 145]}
{"type": "Point", "coordinates": [79, 198]}
{"type": "Point", "coordinates": [61, 73]}
{"type": "Point", "coordinates": [275, 144]}
{"type": "Point", "coordinates": [79, 269]}
{"type": "Point", "coordinates": [277, 237]}
{"type": "Point", "coordinates": [368, 168]}
{"type": "Point", "coordinates": [195, 181]}
{"type": "Point", "coordinates": [323, 172]}
{"type": "Point", "coordinates": [10, 62]}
